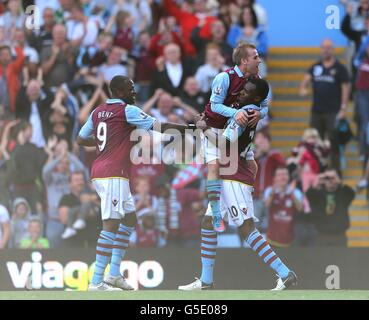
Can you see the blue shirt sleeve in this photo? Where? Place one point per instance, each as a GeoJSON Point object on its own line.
{"type": "Point", "coordinates": [138, 118]}
{"type": "Point", "coordinates": [88, 128]}
{"type": "Point", "coordinates": [219, 90]}
{"type": "Point", "coordinates": [264, 108]}
{"type": "Point", "coordinates": [233, 131]}
{"type": "Point", "coordinates": [298, 195]}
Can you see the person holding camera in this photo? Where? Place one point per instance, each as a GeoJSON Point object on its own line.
{"type": "Point", "coordinates": [330, 201]}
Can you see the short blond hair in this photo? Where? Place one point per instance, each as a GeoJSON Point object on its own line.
{"type": "Point", "coordinates": [240, 52]}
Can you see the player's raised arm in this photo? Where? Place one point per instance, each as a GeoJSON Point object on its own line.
{"type": "Point", "coordinates": [219, 91]}
{"type": "Point", "coordinates": [85, 135]}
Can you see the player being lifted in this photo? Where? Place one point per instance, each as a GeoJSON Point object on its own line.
{"type": "Point", "coordinates": [225, 89]}
{"type": "Point", "coordinates": [236, 201]}
{"type": "Point", "coordinates": [109, 128]}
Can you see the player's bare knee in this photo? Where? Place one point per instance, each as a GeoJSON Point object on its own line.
{"type": "Point", "coordinates": [207, 223]}
{"type": "Point", "coordinates": [111, 225]}
{"type": "Point", "coordinates": [247, 228]}
{"type": "Point", "coordinates": [130, 219]}
{"type": "Point", "coordinates": [213, 170]}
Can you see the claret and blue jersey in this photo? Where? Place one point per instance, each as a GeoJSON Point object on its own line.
{"type": "Point", "coordinates": [225, 89]}
{"type": "Point", "coordinates": [112, 124]}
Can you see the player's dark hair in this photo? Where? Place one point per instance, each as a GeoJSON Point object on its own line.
{"type": "Point", "coordinates": [262, 87]}
{"type": "Point", "coordinates": [117, 84]}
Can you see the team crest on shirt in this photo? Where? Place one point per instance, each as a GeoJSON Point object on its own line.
{"type": "Point", "coordinates": [318, 70]}
{"type": "Point", "coordinates": [218, 90]}
{"type": "Point", "coordinates": [244, 210]}
{"type": "Point", "coordinates": [143, 115]}
{"type": "Point", "coordinates": [333, 72]}
{"type": "Point", "coordinates": [115, 202]}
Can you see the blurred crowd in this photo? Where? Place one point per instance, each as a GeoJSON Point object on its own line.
{"type": "Point", "coordinates": [53, 76]}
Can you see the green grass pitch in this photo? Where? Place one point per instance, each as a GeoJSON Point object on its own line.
{"type": "Point", "coordinates": [194, 295]}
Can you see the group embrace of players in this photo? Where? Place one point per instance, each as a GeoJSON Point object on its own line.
{"type": "Point", "coordinates": [238, 101]}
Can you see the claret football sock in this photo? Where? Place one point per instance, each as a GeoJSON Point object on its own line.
{"type": "Point", "coordinates": [261, 246]}
{"type": "Point", "coordinates": [121, 242]}
{"type": "Point", "coordinates": [209, 241]}
{"type": "Point", "coordinates": [104, 248]}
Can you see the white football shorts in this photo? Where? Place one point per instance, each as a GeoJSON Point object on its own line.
{"type": "Point", "coordinates": [236, 203]}
{"type": "Point", "coordinates": [116, 197]}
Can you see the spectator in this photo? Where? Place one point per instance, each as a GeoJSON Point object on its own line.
{"type": "Point", "coordinates": [166, 109]}
{"type": "Point", "coordinates": [57, 60]}
{"type": "Point", "coordinates": [144, 66]}
{"type": "Point", "coordinates": [330, 201]}
{"type": "Point", "coordinates": [41, 38]}
{"type": "Point", "coordinates": [56, 174]}
{"type": "Point", "coordinates": [19, 222]}
{"type": "Point", "coordinates": [79, 200]}
{"type": "Point", "coordinates": [218, 33]}
{"type": "Point", "coordinates": [283, 201]}
{"type": "Point", "coordinates": [139, 10]}
{"type": "Point", "coordinates": [214, 64]}
{"type": "Point", "coordinates": [123, 33]}
{"type": "Point", "coordinates": [188, 21]}
{"type": "Point", "coordinates": [4, 227]}
{"type": "Point", "coordinates": [32, 105]}
{"type": "Point", "coordinates": [247, 30]}
{"type": "Point", "coordinates": [25, 175]}
{"type": "Point", "coordinates": [10, 72]}
{"type": "Point", "coordinates": [147, 233]}
{"type": "Point", "coordinates": [113, 65]}
{"type": "Point", "coordinates": [358, 10]}
{"type": "Point", "coordinates": [163, 37]}
{"type": "Point", "coordinates": [13, 18]}
{"type": "Point", "coordinates": [330, 83]}
{"type": "Point", "coordinates": [81, 30]}
{"type": "Point", "coordinates": [312, 158]}
{"type": "Point", "coordinates": [35, 239]}
{"type": "Point", "coordinates": [362, 100]}
{"type": "Point", "coordinates": [32, 59]}
{"type": "Point", "coordinates": [5, 151]}
{"type": "Point", "coordinates": [97, 54]}
{"type": "Point", "coordinates": [268, 161]}
{"type": "Point", "coordinates": [192, 95]}
{"type": "Point", "coordinates": [171, 74]}
{"type": "Point", "coordinates": [355, 33]}
{"type": "Point", "coordinates": [149, 167]}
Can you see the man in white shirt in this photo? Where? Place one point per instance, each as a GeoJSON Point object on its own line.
{"type": "Point", "coordinates": [81, 30]}
{"type": "Point", "coordinates": [113, 67]}
{"type": "Point", "coordinates": [4, 227]}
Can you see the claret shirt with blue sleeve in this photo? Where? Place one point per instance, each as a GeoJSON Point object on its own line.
{"type": "Point", "coordinates": [112, 125]}
{"type": "Point", "coordinates": [226, 87]}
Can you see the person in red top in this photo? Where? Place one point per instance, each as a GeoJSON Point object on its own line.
{"type": "Point", "coordinates": [109, 129]}
{"type": "Point", "coordinates": [164, 36]}
{"type": "Point", "coordinates": [283, 202]}
{"type": "Point", "coordinates": [313, 158]}
{"type": "Point", "coordinates": [268, 161]}
{"type": "Point", "coordinates": [10, 71]}
{"type": "Point", "coordinates": [188, 21]}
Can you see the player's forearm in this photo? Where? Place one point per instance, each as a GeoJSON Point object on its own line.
{"type": "Point", "coordinates": [163, 126]}
{"type": "Point", "coordinates": [90, 142]}
{"type": "Point", "coordinates": [345, 94]}
{"type": "Point", "coordinates": [223, 110]}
